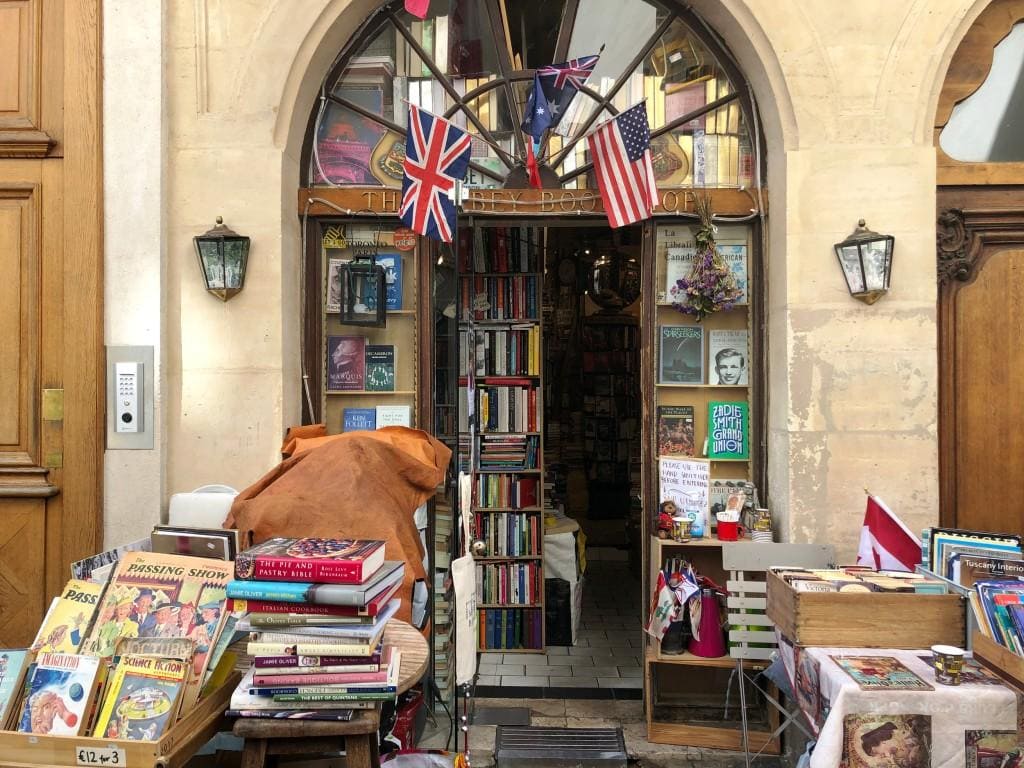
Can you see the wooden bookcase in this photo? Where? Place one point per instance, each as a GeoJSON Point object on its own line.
{"type": "Point", "coordinates": [501, 440]}
{"type": "Point", "coordinates": [681, 689]}
{"type": "Point", "coordinates": [343, 240]}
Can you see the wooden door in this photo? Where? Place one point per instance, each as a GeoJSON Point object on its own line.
{"type": "Point", "coordinates": [51, 308]}
{"type": "Point", "coordinates": [981, 356]}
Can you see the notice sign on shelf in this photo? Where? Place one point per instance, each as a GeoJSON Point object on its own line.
{"type": "Point", "coordinates": [687, 483]}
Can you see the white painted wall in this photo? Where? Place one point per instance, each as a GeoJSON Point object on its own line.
{"type": "Point", "coordinates": [134, 204]}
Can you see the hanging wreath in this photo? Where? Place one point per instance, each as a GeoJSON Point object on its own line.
{"type": "Point", "coordinates": [711, 285]}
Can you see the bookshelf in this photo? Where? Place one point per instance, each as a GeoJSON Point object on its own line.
{"type": "Point", "coordinates": [350, 396]}
{"type": "Point", "coordinates": [501, 441]}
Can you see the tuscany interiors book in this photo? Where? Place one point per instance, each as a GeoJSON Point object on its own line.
{"type": "Point", "coordinates": [325, 561]}
{"type": "Point", "coordinates": [68, 620]}
{"type": "Point", "coordinates": [880, 673]}
{"type": "Point", "coordinates": [675, 430]}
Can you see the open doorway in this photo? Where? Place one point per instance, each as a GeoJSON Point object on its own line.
{"type": "Point", "coordinates": [592, 429]}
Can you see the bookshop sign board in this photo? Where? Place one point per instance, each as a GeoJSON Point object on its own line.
{"type": "Point", "coordinates": [524, 202]}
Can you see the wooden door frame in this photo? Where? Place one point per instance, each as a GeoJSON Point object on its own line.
{"type": "Point", "coordinates": [973, 224]}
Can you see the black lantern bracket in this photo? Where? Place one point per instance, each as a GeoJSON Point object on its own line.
{"type": "Point", "coordinates": [866, 260]}
{"type": "Point", "coordinates": [223, 258]}
{"type": "Point", "coordinates": [363, 285]}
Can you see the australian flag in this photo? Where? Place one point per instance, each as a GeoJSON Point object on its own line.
{"type": "Point", "coordinates": [553, 89]}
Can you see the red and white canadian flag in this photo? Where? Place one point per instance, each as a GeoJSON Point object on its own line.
{"type": "Point", "coordinates": [885, 542]}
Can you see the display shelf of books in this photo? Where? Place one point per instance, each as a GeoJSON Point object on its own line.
{"type": "Point", "coordinates": [700, 435]}
{"type": "Point", "coordinates": [369, 372]}
{"type": "Point", "coordinates": [499, 310]}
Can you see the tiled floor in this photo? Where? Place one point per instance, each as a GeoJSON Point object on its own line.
{"type": "Point", "coordinates": [608, 652]}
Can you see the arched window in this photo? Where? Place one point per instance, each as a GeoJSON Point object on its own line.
{"type": "Point", "coordinates": [474, 62]}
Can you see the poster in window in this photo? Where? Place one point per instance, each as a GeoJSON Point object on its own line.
{"type": "Point", "coordinates": [345, 139]}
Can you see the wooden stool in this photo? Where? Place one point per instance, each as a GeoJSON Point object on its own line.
{"type": "Point", "coordinates": [270, 738]}
{"type": "Point", "coordinates": [358, 737]}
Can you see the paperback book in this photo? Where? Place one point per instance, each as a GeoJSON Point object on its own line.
{"type": "Point", "coordinates": [59, 693]}
{"type": "Point", "coordinates": [880, 673]}
{"type": "Point", "coordinates": [675, 430]}
{"type": "Point", "coordinates": [13, 664]}
{"type": "Point", "coordinates": [728, 430]}
{"type": "Point", "coordinates": [392, 264]}
{"type": "Point", "coordinates": [325, 561]}
{"type": "Point", "coordinates": [727, 357]}
{"type": "Point", "coordinates": [394, 416]}
{"type": "Point", "coordinates": [356, 419]}
{"type": "Point", "coordinates": [142, 698]}
{"type": "Point", "coordinates": [682, 355]}
{"type": "Point", "coordinates": [346, 363]}
{"type": "Point", "coordinates": [69, 618]}
{"type": "Point", "coordinates": [380, 368]}
{"type": "Point", "coordinates": [243, 701]}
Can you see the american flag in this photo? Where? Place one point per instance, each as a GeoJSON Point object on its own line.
{"type": "Point", "coordinates": [436, 156]}
{"type": "Point", "coordinates": [621, 151]}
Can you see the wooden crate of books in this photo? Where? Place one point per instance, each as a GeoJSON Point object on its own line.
{"type": "Point", "coordinates": [865, 619]}
{"type": "Point", "coordinates": [172, 750]}
{"type": "Point", "coordinates": [1000, 659]}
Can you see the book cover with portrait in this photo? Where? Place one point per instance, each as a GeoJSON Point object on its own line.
{"type": "Point", "coordinates": [727, 357]}
{"type": "Point", "coordinates": [346, 363]}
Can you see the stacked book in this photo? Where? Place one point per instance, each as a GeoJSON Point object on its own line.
{"type": "Point", "coordinates": [444, 651]}
{"type": "Point", "coordinates": [315, 610]}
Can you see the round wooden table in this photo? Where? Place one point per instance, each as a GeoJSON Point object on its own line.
{"type": "Point", "coordinates": [358, 736]}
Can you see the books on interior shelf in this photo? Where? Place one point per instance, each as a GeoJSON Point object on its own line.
{"type": "Point", "coordinates": [59, 692]}
{"type": "Point", "coordinates": [675, 430]}
{"type": "Point", "coordinates": [355, 419]}
{"type": "Point", "coordinates": [311, 559]}
{"type": "Point", "coordinates": [727, 357]}
{"type": "Point", "coordinates": [394, 416]}
{"type": "Point", "coordinates": [507, 451]}
{"type": "Point", "coordinates": [516, 583]}
{"type": "Point", "coordinates": [142, 698]}
{"type": "Point", "coordinates": [356, 595]}
{"type": "Point", "coordinates": [380, 368]}
{"type": "Point", "coordinates": [728, 430]}
{"type": "Point", "coordinates": [506, 491]}
{"type": "Point", "coordinates": [69, 618]}
{"type": "Point", "coordinates": [346, 363]}
{"type": "Point", "coordinates": [681, 358]}
{"type": "Point", "coordinates": [514, 350]}
{"type": "Point", "coordinates": [510, 534]}
{"type": "Point", "coordinates": [498, 249]}
{"type": "Point", "coordinates": [498, 297]}
{"type": "Point", "coordinates": [510, 628]}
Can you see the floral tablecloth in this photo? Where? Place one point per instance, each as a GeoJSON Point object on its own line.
{"type": "Point", "coordinates": [973, 725]}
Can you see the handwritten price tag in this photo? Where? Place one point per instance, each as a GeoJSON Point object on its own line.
{"type": "Point", "coordinates": [105, 756]}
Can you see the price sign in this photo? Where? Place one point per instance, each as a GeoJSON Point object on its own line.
{"type": "Point", "coordinates": [104, 756]}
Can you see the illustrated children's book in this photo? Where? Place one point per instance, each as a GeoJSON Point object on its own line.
{"type": "Point", "coordinates": [58, 694]}
{"type": "Point", "coordinates": [13, 664]}
{"type": "Point", "coordinates": [142, 698]}
{"type": "Point", "coordinates": [880, 673]}
{"type": "Point", "coordinates": [157, 595]}
{"type": "Point", "coordinates": [69, 618]}
{"type": "Point", "coordinates": [327, 561]}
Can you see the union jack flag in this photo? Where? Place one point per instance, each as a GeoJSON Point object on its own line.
{"type": "Point", "coordinates": [553, 89]}
{"type": "Point", "coordinates": [436, 156]}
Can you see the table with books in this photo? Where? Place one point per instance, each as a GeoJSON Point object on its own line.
{"type": "Point", "coordinates": [325, 647]}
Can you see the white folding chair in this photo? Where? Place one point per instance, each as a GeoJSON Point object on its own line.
{"type": "Point", "coordinates": [751, 632]}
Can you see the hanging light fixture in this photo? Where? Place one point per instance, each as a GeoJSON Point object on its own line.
{"type": "Point", "coordinates": [866, 261]}
{"type": "Point", "coordinates": [223, 256]}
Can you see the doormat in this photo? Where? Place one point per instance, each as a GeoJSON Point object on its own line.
{"type": "Point", "coordinates": [501, 716]}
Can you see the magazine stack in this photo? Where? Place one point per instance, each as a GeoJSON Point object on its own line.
{"type": "Point", "coordinates": [123, 658]}
{"type": "Point", "coordinates": [315, 610]}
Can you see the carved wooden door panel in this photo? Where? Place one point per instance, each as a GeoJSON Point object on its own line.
{"type": "Point", "coordinates": [981, 361]}
{"type": "Point", "coordinates": [51, 331]}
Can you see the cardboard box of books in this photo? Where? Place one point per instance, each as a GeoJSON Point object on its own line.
{"type": "Point", "coordinates": [124, 663]}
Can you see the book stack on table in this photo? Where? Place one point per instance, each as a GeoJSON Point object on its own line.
{"type": "Point", "coordinates": [315, 610]}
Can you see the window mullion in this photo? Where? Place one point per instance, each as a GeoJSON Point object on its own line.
{"type": "Point", "coordinates": [565, 30]}
{"type": "Point", "coordinates": [504, 69]}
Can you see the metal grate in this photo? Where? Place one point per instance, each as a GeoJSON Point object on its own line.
{"type": "Point", "coordinates": [539, 747]}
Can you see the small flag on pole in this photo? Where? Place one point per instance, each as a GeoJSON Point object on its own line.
{"type": "Point", "coordinates": [621, 151]}
{"type": "Point", "coordinates": [553, 90]}
{"type": "Point", "coordinates": [417, 8]}
{"type": "Point", "coordinates": [885, 542]}
{"type": "Point", "coordinates": [436, 156]}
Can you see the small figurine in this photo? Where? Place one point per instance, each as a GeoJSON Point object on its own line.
{"type": "Point", "coordinates": [666, 511]}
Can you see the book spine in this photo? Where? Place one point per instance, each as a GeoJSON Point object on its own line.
{"type": "Point", "coordinates": [315, 678]}
{"type": "Point", "coordinates": [283, 593]}
{"type": "Point", "coordinates": [313, 697]}
{"type": "Point", "coordinates": [308, 662]}
{"type": "Point", "coordinates": [307, 649]}
{"type": "Point", "coordinates": [302, 619]}
{"type": "Point", "coordinates": [274, 568]}
{"type": "Point", "coordinates": [301, 690]}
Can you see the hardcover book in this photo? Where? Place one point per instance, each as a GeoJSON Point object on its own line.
{"type": "Point", "coordinates": [336, 715]}
{"type": "Point", "coordinates": [58, 694]}
{"type": "Point", "coordinates": [69, 618]}
{"type": "Point", "coordinates": [682, 355]}
{"type": "Point", "coordinates": [142, 698]}
{"type": "Point", "coordinates": [392, 263]}
{"type": "Point", "coordinates": [243, 701]}
{"type": "Point", "coordinates": [394, 416]}
{"type": "Point", "coordinates": [970, 569]}
{"type": "Point", "coordinates": [13, 664]}
{"type": "Point", "coordinates": [157, 595]}
{"type": "Point", "coordinates": [675, 430]}
{"type": "Point", "coordinates": [216, 543]}
{"type": "Point", "coordinates": [728, 430]}
{"type": "Point", "coordinates": [346, 363]}
{"type": "Point", "coordinates": [356, 419]}
{"type": "Point", "coordinates": [295, 664]}
{"type": "Point", "coordinates": [326, 561]}
{"type": "Point", "coordinates": [380, 367]}
{"type": "Point", "coordinates": [880, 673]}
{"type": "Point", "coordinates": [311, 610]}
{"type": "Point", "coordinates": [320, 594]}
{"type": "Point", "coordinates": [727, 357]}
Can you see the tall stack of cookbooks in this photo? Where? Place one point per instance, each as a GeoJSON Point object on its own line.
{"type": "Point", "coordinates": [316, 610]}
{"type": "Point", "coordinates": [122, 659]}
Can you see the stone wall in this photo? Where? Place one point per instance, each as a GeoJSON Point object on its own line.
{"type": "Point", "coordinates": [846, 93]}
